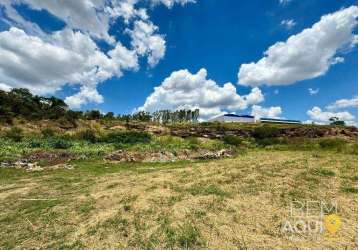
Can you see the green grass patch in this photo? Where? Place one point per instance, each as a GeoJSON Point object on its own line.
{"type": "Point", "coordinates": [323, 172]}
{"type": "Point", "coordinates": [349, 190]}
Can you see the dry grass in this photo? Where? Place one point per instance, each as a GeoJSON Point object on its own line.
{"type": "Point", "coordinates": [228, 204]}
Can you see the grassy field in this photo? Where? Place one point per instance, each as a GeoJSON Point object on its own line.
{"type": "Point", "coordinates": [238, 203]}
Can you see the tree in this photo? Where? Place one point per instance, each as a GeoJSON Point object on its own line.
{"type": "Point", "coordinates": [93, 115]}
{"type": "Point", "coordinates": [109, 115]}
{"type": "Point", "coordinates": [336, 121]}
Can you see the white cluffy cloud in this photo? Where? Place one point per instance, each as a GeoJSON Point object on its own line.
{"type": "Point", "coordinates": [288, 24]}
{"type": "Point", "coordinates": [44, 63]}
{"type": "Point", "coordinates": [69, 57]}
{"type": "Point", "coordinates": [313, 91]}
{"type": "Point", "coordinates": [145, 42]}
{"type": "Point", "coordinates": [306, 55]}
{"type": "Point", "coordinates": [183, 89]}
{"type": "Point", "coordinates": [261, 112]}
{"type": "Point", "coordinates": [344, 103]}
{"type": "Point", "coordinates": [318, 115]}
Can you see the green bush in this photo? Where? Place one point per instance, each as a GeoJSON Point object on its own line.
{"type": "Point", "coordinates": [88, 135]}
{"type": "Point", "coordinates": [15, 134]}
{"type": "Point", "coordinates": [268, 141]}
{"type": "Point", "coordinates": [33, 143]}
{"type": "Point", "coordinates": [232, 140]}
{"type": "Point", "coordinates": [193, 142]}
{"type": "Point", "coordinates": [128, 137]}
{"type": "Point", "coordinates": [332, 143]}
{"type": "Point", "coordinates": [265, 131]}
{"type": "Point", "coordinates": [47, 132]}
{"type": "Point", "coordinates": [59, 143]}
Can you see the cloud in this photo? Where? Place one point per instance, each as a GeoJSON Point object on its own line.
{"type": "Point", "coordinates": [284, 2]}
{"type": "Point", "coordinates": [337, 60]}
{"type": "Point", "coordinates": [288, 23]}
{"type": "Point", "coordinates": [69, 57]}
{"type": "Point", "coordinates": [306, 55]}
{"type": "Point", "coordinates": [170, 3]}
{"type": "Point", "coordinates": [183, 89]}
{"type": "Point", "coordinates": [261, 112]}
{"type": "Point", "coordinates": [318, 115]}
{"type": "Point", "coordinates": [45, 62]}
{"type": "Point", "coordinates": [145, 42]}
{"type": "Point", "coordinates": [313, 91]}
{"type": "Point", "coordinates": [4, 87]}
{"type": "Point", "coordinates": [90, 16]}
{"type": "Point", "coordinates": [344, 103]}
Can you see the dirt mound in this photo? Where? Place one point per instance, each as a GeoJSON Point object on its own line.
{"type": "Point", "coordinates": [165, 156]}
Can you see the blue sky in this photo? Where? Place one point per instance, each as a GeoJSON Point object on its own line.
{"type": "Point", "coordinates": [216, 35]}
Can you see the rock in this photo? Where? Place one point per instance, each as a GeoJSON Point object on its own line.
{"type": "Point", "coordinates": [62, 166]}
{"type": "Point", "coordinates": [166, 156]}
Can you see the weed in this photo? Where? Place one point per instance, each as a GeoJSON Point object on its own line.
{"type": "Point", "coordinates": [88, 135]}
{"type": "Point", "coordinates": [129, 137]}
{"type": "Point", "coordinates": [207, 190]}
{"type": "Point", "coordinates": [189, 236]}
{"type": "Point", "coordinates": [58, 143]}
{"type": "Point", "coordinates": [323, 172]}
{"type": "Point", "coordinates": [86, 207]}
{"type": "Point", "coordinates": [47, 132]}
{"type": "Point", "coordinates": [351, 190]}
{"type": "Point", "coordinates": [332, 143]}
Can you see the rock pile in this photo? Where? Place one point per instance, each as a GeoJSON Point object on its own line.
{"type": "Point", "coordinates": [22, 164]}
{"type": "Point", "coordinates": [165, 156]}
{"type": "Point", "coordinates": [217, 132]}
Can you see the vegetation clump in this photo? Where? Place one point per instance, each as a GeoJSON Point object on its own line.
{"type": "Point", "coordinates": [265, 131]}
{"type": "Point", "coordinates": [332, 143]}
{"type": "Point", "coordinates": [15, 134]}
{"type": "Point", "coordinates": [128, 137]}
{"type": "Point", "coordinates": [60, 143]}
{"type": "Point", "coordinates": [232, 140]}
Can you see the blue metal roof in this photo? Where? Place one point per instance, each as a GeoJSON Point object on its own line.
{"type": "Point", "coordinates": [239, 116]}
{"type": "Point", "coordinates": [279, 120]}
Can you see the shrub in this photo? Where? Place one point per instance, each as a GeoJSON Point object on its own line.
{"type": "Point", "coordinates": [268, 141]}
{"type": "Point", "coordinates": [194, 142]}
{"type": "Point", "coordinates": [60, 144]}
{"type": "Point", "coordinates": [33, 143]}
{"type": "Point", "coordinates": [47, 132]}
{"type": "Point", "coordinates": [265, 132]}
{"type": "Point", "coordinates": [128, 137]}
{"type": "Point", "coordinates": [15, 134]}
{"type": "Point", "coordinates": [232, 140]}
{"type": "Point", "coordinates": [332, 143]}
{"type": "Point", "coordinates": [88, 135]}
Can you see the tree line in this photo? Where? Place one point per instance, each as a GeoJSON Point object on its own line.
{"type": "Point", "coordinates": [21, 103]}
